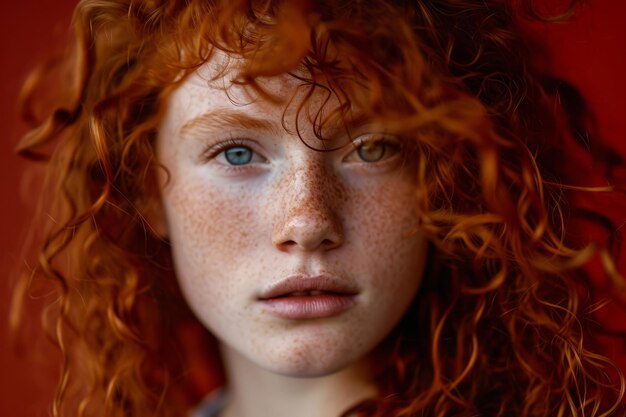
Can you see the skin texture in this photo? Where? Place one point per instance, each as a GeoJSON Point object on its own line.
{"type": "Point", "coordinates": [236, 231]}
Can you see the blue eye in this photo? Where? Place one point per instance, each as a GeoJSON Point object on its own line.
{"type": "Point", "coordinates": [238, 155]}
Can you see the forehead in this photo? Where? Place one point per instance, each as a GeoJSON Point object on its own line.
{"type": "Point", "coordinates": [216, 85]}
{"type": "Point", "coordinates": [213, 93]}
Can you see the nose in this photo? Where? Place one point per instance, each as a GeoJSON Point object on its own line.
{"type": "Point", "coordinates": [307, 214]}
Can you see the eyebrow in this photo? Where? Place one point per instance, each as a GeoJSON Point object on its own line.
{"type": "Point", "coordinates": [226, 118]}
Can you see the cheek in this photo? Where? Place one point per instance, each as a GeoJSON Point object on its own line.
{"type": "Point", "coordinates": [390, 251]}
{"type": "Point", "coordinates": [210, 232]}
{"type": "Point", "coordinates": [201, 219]}
{"type": "Point", "coordinates": [384, 226]}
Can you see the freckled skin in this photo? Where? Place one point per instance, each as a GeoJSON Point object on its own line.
{"type": "Point", "coordinates": [300, 212]}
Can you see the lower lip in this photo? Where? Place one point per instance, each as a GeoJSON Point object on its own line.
{"type": "Point", "coordinates": [309, 307]}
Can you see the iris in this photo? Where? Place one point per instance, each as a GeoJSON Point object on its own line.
{"type": "Point", "coordinates": [372, 151]}
{"type": "Point", "coordinates": [239, 155]}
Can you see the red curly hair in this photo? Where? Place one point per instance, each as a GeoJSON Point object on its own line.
{"type": "Point", "coordinates": [498, 327]}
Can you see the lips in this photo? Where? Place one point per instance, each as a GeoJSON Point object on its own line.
{"type": "Point", "coordinates": [300, 285]}
{"type": "Point", "coordinates": [305, 293]}
{"type": "Point", "coordinates": [306, 297]}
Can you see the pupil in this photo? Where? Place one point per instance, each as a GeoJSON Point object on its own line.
{"type": "Point", "coordinates": [371, 152]}
{"type": "Point", "coordinates": [238, 156]}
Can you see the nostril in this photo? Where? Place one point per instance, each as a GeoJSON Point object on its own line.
{"type": "Point", "coordinates": [309, 242]}
{"type": "Point", "coordinates": [308, 231]}
{"type": "Point", "coordinates": [328, 243]}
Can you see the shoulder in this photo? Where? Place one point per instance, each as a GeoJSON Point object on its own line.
{"type": "Point", "coordinates": [211, 405]}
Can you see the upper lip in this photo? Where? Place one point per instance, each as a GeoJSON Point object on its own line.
{"type": "Point", "coordinates": [306, 283]}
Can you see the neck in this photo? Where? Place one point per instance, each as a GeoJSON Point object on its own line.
{"type": "Point", "coordinates": [256, 392]}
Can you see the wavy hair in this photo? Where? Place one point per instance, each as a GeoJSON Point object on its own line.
{"type": "Point", "coordinates": [499, 326]}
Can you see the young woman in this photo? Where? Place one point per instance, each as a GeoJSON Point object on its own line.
{"type": "Point", "coordinates": [322, 208]}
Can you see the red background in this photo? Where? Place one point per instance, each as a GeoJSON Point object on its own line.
{"type": "Point", "coordinates": [588, 51]}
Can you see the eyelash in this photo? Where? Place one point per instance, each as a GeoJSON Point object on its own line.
{"type": "Point", "coordinates": [215, 150]}
{"type": "Point", "coordinates": [390, 143]}
{"type": "Point", "coordinates": [219, 148]}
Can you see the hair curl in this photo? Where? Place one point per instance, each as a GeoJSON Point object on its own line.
{"type": "Point", "coordinates": [498, 327]}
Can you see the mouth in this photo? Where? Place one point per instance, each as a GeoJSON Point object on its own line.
{"type": "Point", "coordinates": [310, 293]}
{"type": "Point", "coordinates": [306, 297]}
{"type": "Point", "coordinates": [308, 286]}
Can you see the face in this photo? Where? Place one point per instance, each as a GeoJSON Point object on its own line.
{"type": "Point", "coordinates": [300, 261]}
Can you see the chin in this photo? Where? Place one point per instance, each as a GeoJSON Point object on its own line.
{"type": "Point", "coordinates": [310, 360]}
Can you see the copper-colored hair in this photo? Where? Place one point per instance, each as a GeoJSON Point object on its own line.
{"type": "Point", "coordinates": [498, 327]}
